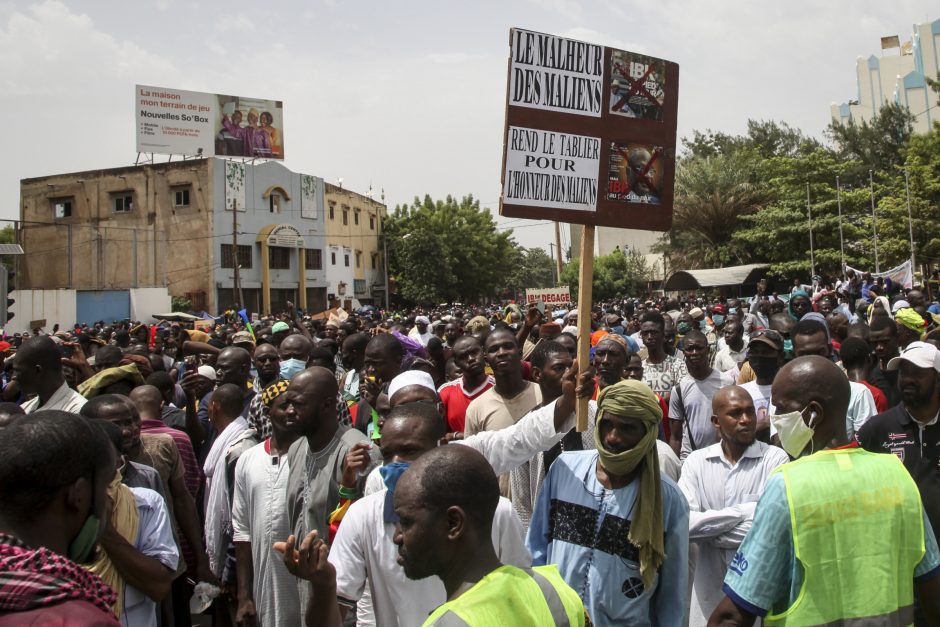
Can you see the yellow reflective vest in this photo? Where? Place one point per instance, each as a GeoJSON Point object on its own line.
{"type": "Point", "coordinates": [512, 596]}
{"type": "Point", "coordinates": [858, 531]}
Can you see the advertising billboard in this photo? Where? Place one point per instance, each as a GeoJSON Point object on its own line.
{"type": "Point", "coordinates": [178, 122]}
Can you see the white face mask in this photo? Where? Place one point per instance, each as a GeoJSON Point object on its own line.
{"type": "Point", "coordinates": [793, 432]}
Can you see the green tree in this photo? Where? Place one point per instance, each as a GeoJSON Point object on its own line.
{"type": "Point", "coordinates": [179, 303]}
{"type": "Point", "coordinates": [877, 145]}
{"type": "Point", "coordinates": [922, 161]}
{"type": "Point", "coordinates": [712, 194]}
{"type": "Point", "coordinates": [780, 233]}
{"type": "Point", "coordinates": [615, 275]}
{"type": "Point", "coordinates": [448, 250]}
{"type": "Point", "coordinates": [533, 269]}
{"type": "Point", "coordinates": [7, 236]}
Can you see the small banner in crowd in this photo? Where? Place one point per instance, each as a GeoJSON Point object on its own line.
{"type": "Point", "coordinates": [902, 275]}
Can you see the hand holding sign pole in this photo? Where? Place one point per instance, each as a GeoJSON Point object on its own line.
{"type": "Point", "coordinates": [590, 139]}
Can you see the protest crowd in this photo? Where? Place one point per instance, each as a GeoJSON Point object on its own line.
{"type": "Point", "coordinates": [774, 458]}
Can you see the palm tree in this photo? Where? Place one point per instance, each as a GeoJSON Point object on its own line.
{"type": "Point", "coordinates": [711, 195]}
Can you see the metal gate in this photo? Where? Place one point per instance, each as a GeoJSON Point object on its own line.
{"type": "Point", "coordinates": [108, 305]}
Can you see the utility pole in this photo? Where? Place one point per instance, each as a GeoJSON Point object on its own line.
{"type": "Point", "coordinates": [557, 253]}
{"type": "Point", "coordinates": [381, 234]}
{"type": "Point", "coordinates": [910, 220]}
{"type": "Point", "coordinates": [551, 251]}
{"type": "Point", "coordinates": [236, 285]}
{"type": "Point", "coordinates": [385, 265]}
{"type": "Point", "coordinates": [841, 240]}
{"type": "Point", "coordinates": [812, 254]}
{"type": "Point", "coordinates": [874, 218]}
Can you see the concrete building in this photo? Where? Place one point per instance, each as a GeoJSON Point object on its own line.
{"type": "Point", "coordinates": [897, 78]}
{"type": "Point", "coordinates": [169, 225]}
{"type": "Point", "coordinates": [608, 239]}
{"type": "Point", "coordinates": [355, 267]}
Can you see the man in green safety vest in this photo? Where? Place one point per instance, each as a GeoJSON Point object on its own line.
{"type": "Point", "coordinates": [446, 501]}
{"type": "Point", "coordinates": [839, 536]}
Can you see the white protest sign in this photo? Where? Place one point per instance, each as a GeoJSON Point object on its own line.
{"type": "Point", "coordinates": [551, 169]}
{"type": "Point", "coordinates": [556, 74]}
{"type": "Point", "coordinates": [549, 295]}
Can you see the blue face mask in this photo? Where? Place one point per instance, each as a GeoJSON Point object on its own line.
{"type": "Point", "coordinates": [788, 347]}
{"type": "Point", "coordinates": [291, 367]}
{"type": "Point", "coordinates": [391, 473]}
{"type": "Point", "coordinates": [718, 319]}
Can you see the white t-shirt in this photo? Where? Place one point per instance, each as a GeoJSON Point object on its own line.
{"type": "Point", "coordinates": [364, 554]}
{"type": "Point", "coordinates": [861, 408]}
{"type": "Point", "coordinates": [691, 402]}
{"type": "Point", "coordinates": [728, 359]}
{"type": "Point", "coordinates": [763, 407]}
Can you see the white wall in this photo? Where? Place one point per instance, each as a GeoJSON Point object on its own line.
{"type": "Point", "coordinates": [52, 305]}
{"type": "Point", "coordinates": [146, 301]}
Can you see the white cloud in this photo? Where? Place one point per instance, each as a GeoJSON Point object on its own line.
{"type": "Point", "coordinates": [590, 35]}
{"type": "Point", "coordinates": [238, 23]}
{"type": "Point", "coordinates": [49, 50]}
{"type": "Point", "coordinates": [569, 9]}
{"type": "Point", "coordinates": [453, 57]}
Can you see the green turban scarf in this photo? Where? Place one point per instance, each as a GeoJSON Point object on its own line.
{"type": "Point", "coordinates": [911, 319]}
{"type": "Point", "coordinates": [634, 399]}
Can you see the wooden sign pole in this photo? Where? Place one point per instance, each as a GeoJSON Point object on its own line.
{"type": "Point", "coordinates": [585, 289]}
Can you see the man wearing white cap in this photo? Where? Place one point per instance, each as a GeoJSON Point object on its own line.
{"type": "Point", "coordinates": [910, 430]}
{"type": "Point", "coordinates": [405, 382]}
{"type": "Point", "coordinates": [420, 331]}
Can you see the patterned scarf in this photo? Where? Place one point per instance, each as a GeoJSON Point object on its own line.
{"type": "Point", "coordinates": [35, 578]}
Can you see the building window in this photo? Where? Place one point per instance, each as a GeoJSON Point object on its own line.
{"type": "Point", "coordinates": [274, 203]}
{"type": "Point", "coordinates": [313, 259]}
{"type": "Point", "coordinates": [359, 286]}
{"type": "Point", "coordinates": [371, 223]}
{"type": "Point", "coordinates": [279, 258]}
{"type": "Point", "coordinates": [345, 217]}
{"type": "Point", "coordinates": [62, 208]}
{"type": "Point", "coordinates": [123, 202]}
{"type": "Point", "coordinates": [244, 256]}
{"type": "Point", "coordinates": [181, 197]}
{"type": "Point", "coordinates": [358, 258]}
{"type": "Point", "coordinates": [373, 261]}
{"type": "Point", "coordinates": [346, 259]}
{"type": "Point", "coordinates": [356, 217]}
{"type": "Point", "coordinates": [332, 258]}
{"type": "Point", "coordinates": [332, 207]}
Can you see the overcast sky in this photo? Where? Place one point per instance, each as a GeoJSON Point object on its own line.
{"type": "Point", "coordinates": [407, 96]}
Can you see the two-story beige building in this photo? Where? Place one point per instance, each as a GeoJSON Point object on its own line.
{"type": "Point", "coordinates": [354, 253]}
{"type": "Point", "coordinates": [97, 238]}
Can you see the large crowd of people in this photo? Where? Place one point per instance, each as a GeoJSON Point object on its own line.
{"type": "Point", "coordinates": [770, 458]}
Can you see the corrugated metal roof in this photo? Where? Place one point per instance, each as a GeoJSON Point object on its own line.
{"type": "Point", "coordinates": [713, 277]}
{"type": "Point", "coordinates": [11, 249]}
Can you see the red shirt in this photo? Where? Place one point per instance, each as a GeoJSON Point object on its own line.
{"type": "Point", "coordinates": [456, 400]}
{"type": "Point", "coordinates": [881, 401]}
{"type": "Point", "coordinates": [192, 472]}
